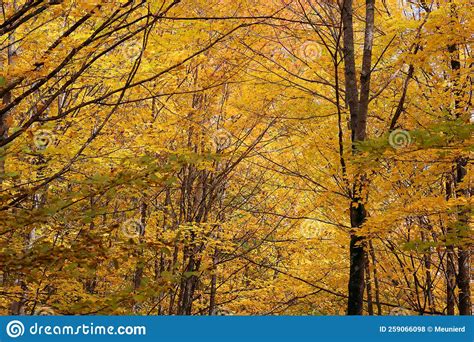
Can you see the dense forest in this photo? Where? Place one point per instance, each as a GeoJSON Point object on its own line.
{"type": "Point", "coordinates": [236, 157]}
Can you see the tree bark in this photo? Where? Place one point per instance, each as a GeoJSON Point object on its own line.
{"type": "Point", "coordinates": [368, 285]}
{"type": "Point", "coordinates": [352, 94]}
{"type": "Point", "coordinates": [358, 108]}
{"type": "Point", "coordinates": [138, 275]}
{"type": "Point", "coordinates": [357, 263]}
{"type": "Point", "coordinates": [376, 279]}
{"type": "Point", "coordinates": [212, 295]}
{"type": "Point", "coordinates": [450, 259]}
{"type": "Point", "coordinates": [463, 234]}
{"type": "Point", "coordinates": [462, 230]}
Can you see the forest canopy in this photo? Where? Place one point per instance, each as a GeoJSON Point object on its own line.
{"type": "Point", "coordinates": [244, 157]}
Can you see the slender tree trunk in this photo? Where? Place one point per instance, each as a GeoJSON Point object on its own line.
{"type": "Point", "coordinates": [368, 285]}
{"type": "Point", "coordinates": [161, 261]}
{"type": "Point", "coordinates": [352, 94]}
{"type": "Point", "coordinates": [16, 305]}
{"type": "Point", "coordinates": [376, 279]}
{"type": "Point", "coordinates": [428, 281]}
{"type": "Point", "coordinates": [189, 285]}
{"type": "Point", "coordinates": [462, 229]}
{"type": "Point", "coordinates": [465, 307]}
{"type": "Point", "coordinates": [358, 108]}
{"type": "Point", "coordinates": [464, 234]}
{"type": "Point", "coordinates": [357, 215]}
{"type": "Point", "coordinates": [172, 292]}
{"type": "Point", "coordinates": [137, 278]}
{"type": "Point", "coordinates": [366, 70]}
{"type": "Point", "coordinates": [450, 259]}
{"type": "Point", "coordinates": [212, 296]}
{"type": "Point", "coordinates": [357, 263]}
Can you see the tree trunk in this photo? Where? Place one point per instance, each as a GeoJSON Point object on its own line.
{"type": "Point", "coordinates": [138, 275]}
{"type": "Point", "coordinates": [358, 108]}
{"type": "Point", "coordinates": [368, 285]}
{"type": "Point", "coordinates": [212, 296]}
{"type": "Point", "coordinates": [376, 279]}
{"type": "Point", "coordinates": [357, 263]}
{"type": "Point", "coordinates": [450, 259]}
{"type": "Point", "coordinates": [465, 307]}
{"type": "Point", "coordinates": [462, 229]}
{"type": "Point", "coordinates": [464, 235]}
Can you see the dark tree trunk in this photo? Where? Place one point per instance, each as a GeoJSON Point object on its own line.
{"type": "Point", "coordinates": [464, 282]}
{"type": "Point", "coordinates": [376, 279]}
{"type": "Point", "coordinates": [138, 275]}
{"type": "Point", "coordinates": [450, 260]}
{"type": "Point", "coordinates": [464, 235]}
{"type": "Point", "coordinates": [189, 283]}
{"type": "Point", "coordinates": [358, 108]}
{"type": "Point", "coordinates": [212, 296]}
{"type": "Point", "coordinates": [350, 76]}
{"type": "Point", "coordinates": [462, 229]}
{"type": "Point", "coordinates": [450, 281]}
{"type": "Point", "coordinates": [357, 263]}
{"type": "Point", "coordinates": [368, 285]}
{"type": "Point", "coordinates": [428, 281]}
